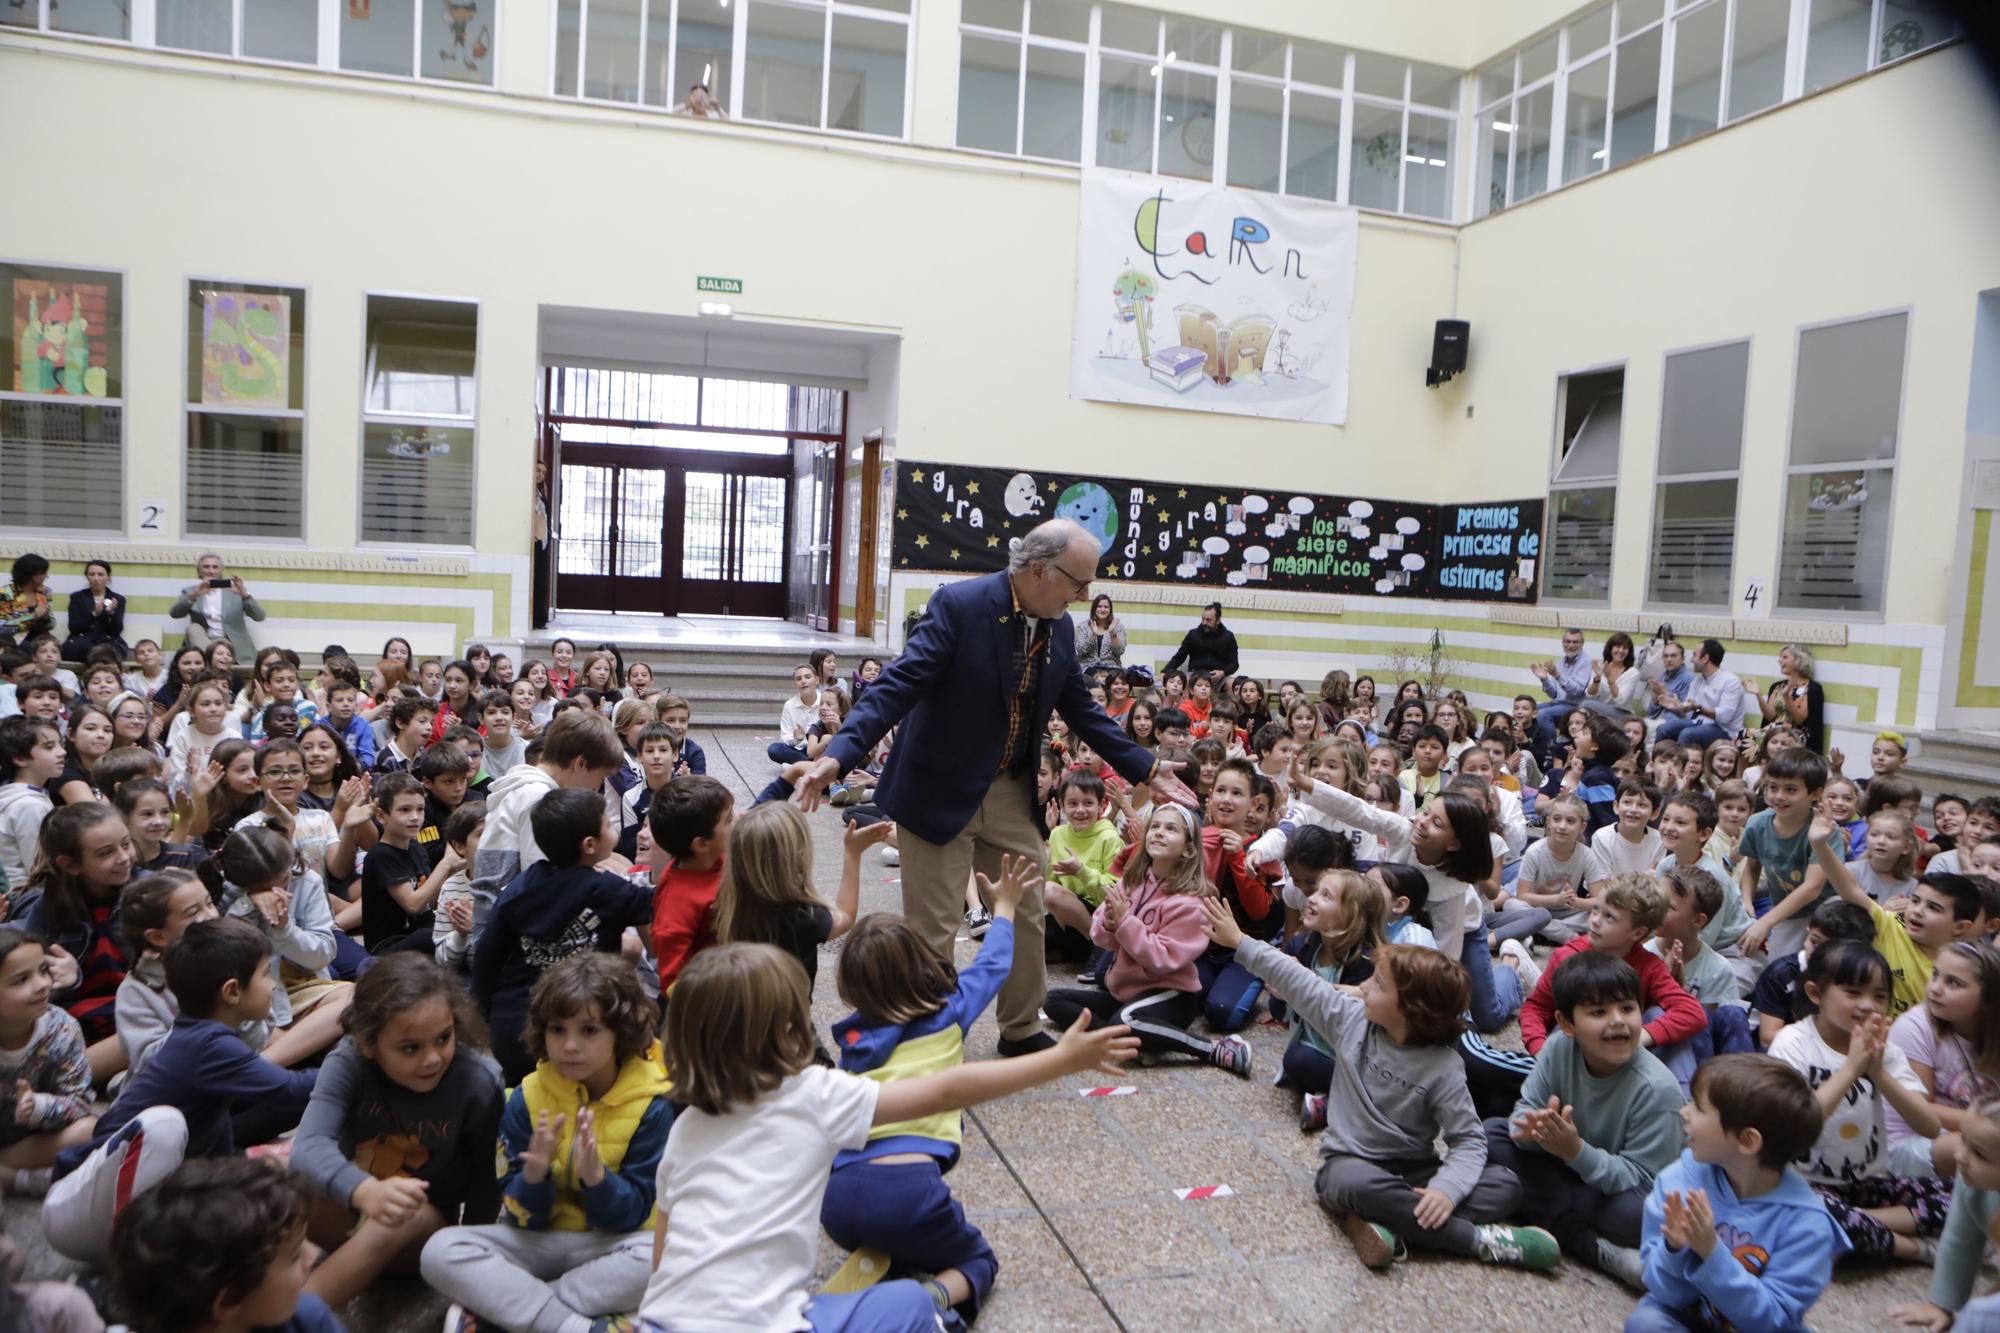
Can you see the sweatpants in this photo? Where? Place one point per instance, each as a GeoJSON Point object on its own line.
{"type": "Point", "coordinates": [1554, 1196]}
{"type": "Point", "coordinates": [906, 1210]}
{"type": "Point", "coordinates": [887, 1307]}
{"type": "Point", "coordinates": [1493, 1076]}
{"type": "Point", "coordinates": [1306, 1069]}
{"type": "Point", "coordinates": [540, 1281]}
{"type": "Point", "coordinates": [1928, 1200]}
{"type": "Point", "coordinates": [1229, 991]}
{"type": "Point", "coordinates": [1158, 1018]}
{"type": "Point", "coordinates": [1386, 1192]}
{"type": "Point", "coordinates": [81, 1207]}
{"type": "Point", "coordinates": [1728, 1033]}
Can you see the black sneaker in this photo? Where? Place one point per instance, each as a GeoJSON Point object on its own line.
{"type": "Point", "coordinates": [1010, 1047]}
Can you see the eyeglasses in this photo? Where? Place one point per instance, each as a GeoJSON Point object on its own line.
{"type": "Point", "coordinates": [284, 774]}
{"type": "Point", "coordinates": [1082, 586]}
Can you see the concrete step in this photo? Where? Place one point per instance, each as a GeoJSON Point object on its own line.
{"type": "Point", "coordinates": [1939, 775]}
{"type": "Point", "coordinates": [1976, 748]}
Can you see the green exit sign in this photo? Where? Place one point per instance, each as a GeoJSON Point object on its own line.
{"type": "Point", "coordinates": [721, 286]}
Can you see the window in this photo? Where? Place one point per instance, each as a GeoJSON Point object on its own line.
{"type": "Point", "coordinates": [417, 431]}
{"type": "Point", "coordinates": [1701, 454]}
{"type": "Point", "coordinates": [1836, 41]}
{"type": "Point", "coordinates": [1583, 488]}
{"type": "Point", "coordinates": [820, 64]}
{"type": "Point", "coordinates": [1757, 56]}
{"type": "Point", "coordinates": [1164, 88]}
{"type": "Point", "coordinates": [1847, 406]}
{"type": "Point", "coordinates": [62, 443]}
{"type": "Point", "coordinates": [1697, 90]}
{"type": "Point", "coordinates": [1635, 102]}
{"type": "Point", "coordinates": [246, 363]}
{"type": "Point", "coordinates": [452, 42]}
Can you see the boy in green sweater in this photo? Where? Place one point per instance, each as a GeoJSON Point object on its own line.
{"type": "Point", "coordinates": [1598, 1118]}
{"type": "Point", "coordinates": [1080, 851]}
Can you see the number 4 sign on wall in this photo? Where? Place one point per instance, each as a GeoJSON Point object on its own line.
{"type": "Point", "coordinates": [153, 518]}
{"type": "Point", "coordinates": [1753, 594]}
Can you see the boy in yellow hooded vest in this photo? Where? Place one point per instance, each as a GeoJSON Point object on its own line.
{"type": "Point", "coordinates": [580, 1145]}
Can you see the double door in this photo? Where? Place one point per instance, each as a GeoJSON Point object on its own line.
{"type": "Point", "coordinates": [690, 532]}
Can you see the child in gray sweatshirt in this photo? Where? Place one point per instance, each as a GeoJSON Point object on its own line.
{"type": "Point", "coordinates": [1398, 1085]}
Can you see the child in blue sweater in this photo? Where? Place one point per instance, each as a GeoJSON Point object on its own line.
{"type": "Point", "coordinates": [888, 1201]}
{"type": "Point", "coordinates": [1734, 1238]}
{"type": "Point", "coordinates": [177, 1107]}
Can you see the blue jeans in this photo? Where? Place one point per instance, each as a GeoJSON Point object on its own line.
{"type": "Point", "coordinates": [1653, 1317]}
{"type": "Point", "coordinates": [888, 1307]}
{"type": "Point", "coordinates": [1690, 731]}
{"type": "Point", "coordinates": [1230, 992]}
{"type": "Point", "coordinates": [1496, 991]}
{"type": "Point", "coordinates": [1550, 719]}
{"type": "Point", "coordinates": [782, 753]}
{"type": "Point", "coordinates": [1307, 1069]}
{"type": "Point", "coordinates": [1728, 1033]}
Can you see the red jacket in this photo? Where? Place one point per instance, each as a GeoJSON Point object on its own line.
{"type": "Point", "coordinates": [683, 918]}
{"type": "Point", "coordinates": [1246, 890]}
{"type": "Point", "coordinates": [1683, 1016]}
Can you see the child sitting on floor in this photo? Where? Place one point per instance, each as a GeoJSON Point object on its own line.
{"type": "Point", "coordinates": [1968, 1233]}
{"type": "Point", "coordinates": [1750, 1117]}
{"type": "Point", "coordinates": [1598, 1118]}
{"type": "Point", "coordinates": [1151, 921]}
{"type": "Point", "coordinates": [1397, 1087]}
{"type": "Point", "coordinates": [1343, 919]}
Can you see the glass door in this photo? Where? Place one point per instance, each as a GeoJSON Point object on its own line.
{"type": "Point", "coordinates": [732, 544]}
{"type": "Point", "coordinates": [611, 535]}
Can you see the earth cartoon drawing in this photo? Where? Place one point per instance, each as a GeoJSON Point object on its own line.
{"type": "Point", "coordinates": [1090, 505]}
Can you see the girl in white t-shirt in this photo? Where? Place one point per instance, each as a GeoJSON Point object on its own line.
{"type": "Point", "coordinates": [1843, 1052]}
{"type": "Point", "coordinates": [746, 1164]}
{"type": "Point", "coordinates": [1952, 1040]}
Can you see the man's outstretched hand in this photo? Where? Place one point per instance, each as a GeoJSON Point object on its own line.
{"type": "Point", "coordinates": [1167, 787]}
{"type": "Point", "coordinates": [810, 780]}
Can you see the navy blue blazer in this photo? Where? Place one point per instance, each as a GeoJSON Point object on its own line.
{"type": "Point", "coordinates": [949, 690]}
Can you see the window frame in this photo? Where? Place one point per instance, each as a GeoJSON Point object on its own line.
{"type": "Point", "coordinates": [366, 418]}
{"type": "Point", "coordinates": [739, 21]}
{"type": "Point", "coordinates": [1891, 465]}
{"type": "Point", "coordinates": [1661, 480]}
{"type": "Point", "coordinates": [303, 413]}
{"type": "Point", "coordinates": [1556, 456]}
{"type": "Point", "coordinates": [123, 531]}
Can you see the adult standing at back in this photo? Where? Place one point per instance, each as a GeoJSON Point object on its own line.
{"type": "Point", "coordinates": [1100, 639]}
{"type": "Point", "coordinates": [96, 615]}
{"type": "Point", "coordinates": [215, 605]}
{"type": "Point", "coordinates": [971, 693]}
{"type": "Point", "coordinates": [1713, 710]}
{"type": "Point", "coordinates": [1209, 649]}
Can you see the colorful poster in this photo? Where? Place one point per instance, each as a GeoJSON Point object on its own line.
{"type": "Point", "coordinates": [245, 349]}
{"type": "Point", "coordinates": [965, 519]}
{"type": "Point", "coordinates": [61, 337]}
{"type": "Point", "coordinates": [1211, 299]}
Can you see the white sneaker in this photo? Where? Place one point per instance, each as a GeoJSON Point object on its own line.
{"type": "Point", "coordinates": [891, 857]}
{"type": "Point", "coordinates": [1524, 963]}
{"type": "Point", "coordinates": [977, 922]}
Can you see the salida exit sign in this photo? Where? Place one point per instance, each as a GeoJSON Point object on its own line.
{"type": "Point", "coordinates": [720, 286]}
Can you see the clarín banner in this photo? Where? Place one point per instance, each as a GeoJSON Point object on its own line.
{"type": "Point", "coordinates": [1211, 299]}
{"type": "Point", "coordinates": [965, 519]}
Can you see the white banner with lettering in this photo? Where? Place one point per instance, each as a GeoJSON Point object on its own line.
{"type": "Point", "coordinates": [1213, 299]}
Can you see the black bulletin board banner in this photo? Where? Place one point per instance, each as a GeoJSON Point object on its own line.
{"type": "Point", "coordinates": [963, 520]}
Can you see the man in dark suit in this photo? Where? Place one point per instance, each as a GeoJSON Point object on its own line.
{"type": "Point", "coordinates": [972, 692]}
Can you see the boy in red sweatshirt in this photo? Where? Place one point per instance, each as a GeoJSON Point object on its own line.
{"type": "Point", "coordinates": [690, 819]}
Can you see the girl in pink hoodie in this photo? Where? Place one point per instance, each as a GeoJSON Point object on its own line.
{"type": "Point", "coordinates": [1152, 922]}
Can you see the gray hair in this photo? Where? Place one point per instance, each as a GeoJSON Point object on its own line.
{"type": "Point", "coordinates": [207, 555]}
{"type": "Point", "coordinates": [1802, 659]}
{"type": "Point", "coordinates": [1045, 544]}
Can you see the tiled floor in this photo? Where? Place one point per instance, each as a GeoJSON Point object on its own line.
{"type": "Point", "coordinates": [1077, 1197]}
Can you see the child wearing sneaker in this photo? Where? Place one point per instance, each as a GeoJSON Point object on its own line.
{"type": "Point", "coordinates": [1598, 1118]}
{"type": "Point", "coordinates": [1397, 1086]}
{"type": "Point", "coordinates": [1151, 920]}
{"type": "Point", "coordinates": [1344, 920]}
{"type": "Point", "coordinates": [1749, 1118]}
{"type": "Point", "coordinates": [888, 1202]}
{"type": "Point", "coordinates": [580, 1140]}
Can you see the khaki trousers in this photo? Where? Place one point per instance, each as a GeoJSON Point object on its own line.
{"type": "Point", "coordinates": [934, 879]}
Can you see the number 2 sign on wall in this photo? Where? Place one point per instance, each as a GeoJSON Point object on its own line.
{"type": "Point", "coordinates": [153, 518]}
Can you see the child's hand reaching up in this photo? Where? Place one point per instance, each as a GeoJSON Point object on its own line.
{"type": "Point", "coordinates": [1822, 829]}
{"type": "Point", "coordinates": [1018, 874]}
{"type": "Point", "coordinates": [860, 837]}
{"type": "Point", "coordinates": [1221, 923]}
{"type": "Point", "coordinates": [1105, 1049]}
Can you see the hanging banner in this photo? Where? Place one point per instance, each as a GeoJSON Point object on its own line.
{"type": "Point", "coordinates": [964, 520]}
{"type": "Point", "coordinates": [1212, 299]}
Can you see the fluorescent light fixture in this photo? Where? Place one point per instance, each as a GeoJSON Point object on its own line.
{"type": "Point", "coordinates": [717, 309]}
{"type": "Point", "coordinates": [707, 72]}
{"type": "Point", "coordinates": [1503, 127]}
{"type": "Point", "coordinates": [1423, 161]}
{"type": "Point", "coordinates": [1155, 71]}
{"type": "Point", "coordinates": [1170, 118]}
{"type": "Point", "coordinates": [1170, 57]}
{"type": "Point", "coordinates": [1597, 156]}
{"type": "Point", "coordinates": [1414, 157]}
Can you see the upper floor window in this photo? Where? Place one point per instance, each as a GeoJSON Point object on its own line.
{"type": "Point", "coordinates": [418, 424]}
{"type": "Point", "coordinates": [1181, 97]}
{"type": "Point", "coordinates": [62, 399]}
{"type": "Point", "coordinates": [448, 40]}
{"type": "Point", "coordinates": [1633, 77]}
{"type": "Point", "coordinates": [1583, 486]}
{"type": "Point", "coordinates": [821, 64]}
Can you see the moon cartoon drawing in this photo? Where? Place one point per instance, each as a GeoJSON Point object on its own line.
{"type": "Point", "coordinates": [1021, 498]}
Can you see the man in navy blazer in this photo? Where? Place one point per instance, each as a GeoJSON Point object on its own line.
{"type": "Point", "coordinates": [972, 692]}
